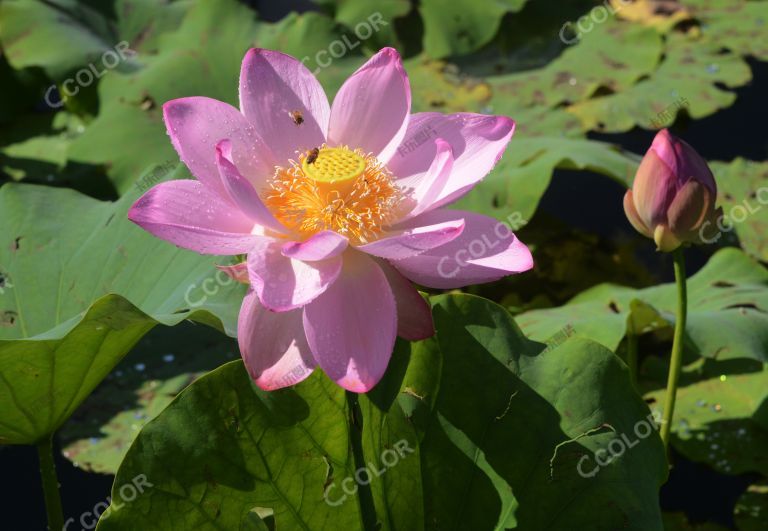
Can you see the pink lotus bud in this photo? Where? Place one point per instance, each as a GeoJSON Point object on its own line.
{"type": "Point", "coordinates": [673, 195]}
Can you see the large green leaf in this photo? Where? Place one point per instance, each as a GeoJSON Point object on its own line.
{"type": "Point", "coordinates": [221, 453]}
{"type": "Point", "coordinates": [524, 420]}
{"type": "Point", "coordinates": [481, 429]}
{"type": "Point", "coordinates": [727, 310]}
{"type": "Point", "coordinates": [81, 284]}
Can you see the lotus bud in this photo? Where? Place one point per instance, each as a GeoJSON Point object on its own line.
{"type": "Point", "coordinates": [673, 194]}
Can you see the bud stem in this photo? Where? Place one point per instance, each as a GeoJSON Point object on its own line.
{"type": "Point", "coordinates": [677, 345]}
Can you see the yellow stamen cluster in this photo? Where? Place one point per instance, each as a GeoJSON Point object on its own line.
{"type": "Point", "coordinates": [337, 189]}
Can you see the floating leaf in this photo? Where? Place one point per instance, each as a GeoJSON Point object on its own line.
{"type": "Point", "coordinates": [660, 14]}
{"type": "Point", "coordinates": [727, 310]}
{"type": "Point", "coordinates": [691, 76]}
{"type": "Point", "coordinates": [613, 56]}
{"type": "Point", "coordinates": [720, 415]}
{"type": "Point", "coordinates": [743, 194]}
{"type": "Point", "coordinates": [457, 27]}
{"type": "Point", "coordinates": [741, 27]}
{"type": "Point", "coordinates": [439, 86]}
{"type": "Point", "coordinates": [751, 508]}
{"type": "Point", "coordinates": [372, 22]}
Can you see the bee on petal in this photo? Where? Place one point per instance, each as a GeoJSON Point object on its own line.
{"type": "Point", "coordinates": [297, 117]}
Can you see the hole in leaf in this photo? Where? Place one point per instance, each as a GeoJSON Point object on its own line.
{"type": "Point", "coordinates": [8, 318]}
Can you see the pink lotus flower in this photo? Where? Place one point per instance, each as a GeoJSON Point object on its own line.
{"type": "Point", "coordinates": [338, 207]}
{"type": "Point", "coordinates": [673, 194]}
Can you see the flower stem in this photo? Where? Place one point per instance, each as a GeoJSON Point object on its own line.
{"type": "Point", "coordinates": [632, 341]}
{"type": "Point", "coordinates": [50, 484]}
{"type": "Point", "coordinates": [676, 360]}
{"type": "Point", "coordinates": [367, 506]}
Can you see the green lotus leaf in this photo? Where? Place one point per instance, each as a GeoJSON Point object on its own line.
{"type": "Point", "coordinates": [37, 149]}
{"type": "Point", "coordinates": [743, 194]}
{"type": "Point", "coordinates": [201, 58]}
{"type": "Point", "coordinates": [371, 22]}
{"type": "Point", "coordinates": [749, 514]}
{"type": "Point", "coordinates": [613, 56]}
{"type": "Point", "coordinates": [727, 310]}
{"type": "Point", "coordinates": [80, 286]}
{"type": "Point", "coordinates": [662, 17]}
{"type": "Point", "coordinates": [721, 417]}
{"type": "Point", "coordinates": [741, 27]}
{"type": "Point", "coordinates": [162, 363]}
{"type": "Point", "coordinates": [440, 86]}
{"type": "Point", "coordinates": [693, 76]}
{"type": "Point", "coordinates": [221, 451]}
{"type": "Point", "coordinates": [478, 429]}
{"type": "Point", "coordinates": [457, 27]}
{"type": "Point", "coordinates": [81, 33]}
